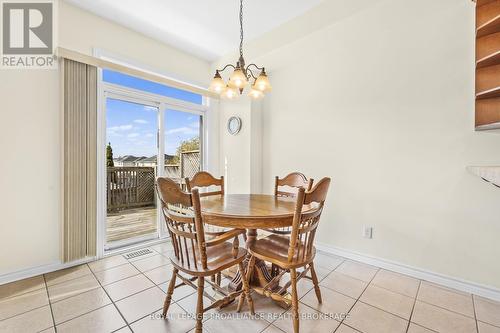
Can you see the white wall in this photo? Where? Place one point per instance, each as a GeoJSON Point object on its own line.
{"type": "Point", "coordinates": [30, 132]}
{"type": "Point", "coordinates": [235, 149]}
{"type": "Point", "coordinates": [241, 154]}
{"type": "Point", "coordinates": [30, 169]}
{"type": "Point", "coordinates": [382, 102]}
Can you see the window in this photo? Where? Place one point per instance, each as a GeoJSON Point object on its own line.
{"type": "Point", "coordinates": [149, 86]}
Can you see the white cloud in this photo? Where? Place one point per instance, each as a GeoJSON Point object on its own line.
{"type": "Point", "coordinates": [140, 121]}
{"type": "Point", "coordinates": [133, 135]}
{"type": "Point", "coordinates": [149, 135]}
{"type": "Point", "coordinates": [120, 128]}
{"type": "Point", "coordinates": [182, 130]}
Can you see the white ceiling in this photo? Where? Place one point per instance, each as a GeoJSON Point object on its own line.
{"type": "Point", "coordinates": [205, 28]}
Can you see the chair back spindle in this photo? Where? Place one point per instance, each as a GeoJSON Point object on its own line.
{"type": "Point", "coordinates": [305, 223]}
{"type": "Point", "coordinates": [283, 187]}
{"type": "Point", "coordinates": [202, 180]}
{"type": "Point", "coordinates": [182, 213]}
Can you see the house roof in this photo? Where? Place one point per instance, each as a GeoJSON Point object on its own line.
{"type": "Point", "coordinates": [154, 158]}
{"type": "Point", "coordinates": [129, 158]}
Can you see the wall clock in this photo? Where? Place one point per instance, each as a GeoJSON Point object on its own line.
{"type": "Point", "coordinates": [234, 125]}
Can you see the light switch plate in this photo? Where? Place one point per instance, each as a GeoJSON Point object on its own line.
{"type": "Point", "coordinates": [367, 232]}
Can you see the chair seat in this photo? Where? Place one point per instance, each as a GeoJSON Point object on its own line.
{"type": "Point", "coordinates": [219, 257]}
{"type": "Point", "coordinates": [274, 249]}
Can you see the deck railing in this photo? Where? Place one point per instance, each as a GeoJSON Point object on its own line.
{"type": "Point", "coordinates": [132, 187]}
{"type": "Point", "coordinates": [129, 187]}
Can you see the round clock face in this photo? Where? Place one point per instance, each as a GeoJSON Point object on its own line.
{"type": "Point", "coordinates": [234, 125]}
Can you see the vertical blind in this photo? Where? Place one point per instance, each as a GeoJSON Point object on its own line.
{"type": "Point", "coordinates": [80, 154]}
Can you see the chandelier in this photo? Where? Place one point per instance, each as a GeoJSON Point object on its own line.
{"type": "Point", "coordinates": [241, 75]}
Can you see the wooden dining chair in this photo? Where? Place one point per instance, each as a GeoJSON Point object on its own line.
{"type": "Point", "coordinates": [294, 251]}
{"type": "Point", "coordinates": [283, 186]}
{"type": "Point", "coordinates": [193, 254]}
{"type": "Point", "coordinates": [204, 179]}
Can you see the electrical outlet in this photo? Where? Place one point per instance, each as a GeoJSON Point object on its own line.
{"type": "Point", "coordinates": [368, 232]}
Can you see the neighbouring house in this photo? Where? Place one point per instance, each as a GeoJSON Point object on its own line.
{"type": "Point", "coordinates": [152, 161]}
{"type": "Point", "coordinates": [128, 161]}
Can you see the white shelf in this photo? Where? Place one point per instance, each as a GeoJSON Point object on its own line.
{"type": "Point", "coordinates": [488, 173]}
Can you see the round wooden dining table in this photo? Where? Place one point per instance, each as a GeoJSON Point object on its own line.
{"type": "Point", "coordinates": [250, 212]}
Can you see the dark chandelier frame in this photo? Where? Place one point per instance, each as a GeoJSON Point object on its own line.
{"type": "Point", "coordinates": [240, 64]}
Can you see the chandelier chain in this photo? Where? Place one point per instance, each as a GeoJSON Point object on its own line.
{"type": "Point", "coordinates": [241, 28]}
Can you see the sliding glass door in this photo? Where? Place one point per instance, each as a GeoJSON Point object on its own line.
{"type": "Point", "coordinates": [147, 130]}
{"type": "Point", "coordinates": [131, 169]}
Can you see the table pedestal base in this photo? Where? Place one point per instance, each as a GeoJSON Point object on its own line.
{"type": "Point", "coordinates": [261, 274]}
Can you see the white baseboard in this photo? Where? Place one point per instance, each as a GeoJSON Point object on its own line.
{"type": "Point", "coordinates": [419, 273]}
{"type": "Point", "coordinates": [43, 269]}
{"type": "Point", "coordinates": [34, 271]}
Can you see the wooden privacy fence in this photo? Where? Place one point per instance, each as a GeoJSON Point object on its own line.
{"type": "Point", "coordinates": [129, 187]}
{"type": "Point", "coordinates": [190, 163]}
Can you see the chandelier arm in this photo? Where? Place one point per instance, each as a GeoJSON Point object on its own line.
{"type": "Point", "coordinates": [248, 70]}
{"type": "Point", "coordinates": [254, 65]}
{"type": "Point", "coordinates": [225, 67]}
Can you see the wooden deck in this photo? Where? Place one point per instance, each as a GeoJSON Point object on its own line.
{"type": "Point", "coordinates": [130, 223]}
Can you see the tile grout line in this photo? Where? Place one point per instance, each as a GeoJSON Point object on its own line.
{"type": "Point", "coordinates": [427, 328]}
{"type": "Point", "coordinates": [103, 306]}
{"type": "Point", "coordinates": [107, 269]}
{"type": "Point", "coordinates": [416, 296]}
{"type": "Point", "coordinates": [376, 307]}
{"type": "Point", "coordinates": [392, 291]}
{"type": "Point", "coordinates": [376, 285]}
{"type": "Point", "coordinates": [475, 315]}
{"type": "Point", "coordinates": [440, 307]}
{"type": "Point", "coordinates": [371, 282]}
{"type": "Point", "coordinates": [24, 312]}
{"type": "Point", "coordinates": [84, 292]}
{"type": "Point", "coordinates": [357, 300]}
{"type": "Point", "coordinates": [50, 303]}
{"type": "Point", "coordinates": [413, 307]}
{"type": "Point", "coordinates": [490, 324]}
{"type": "Point", "coordinates": [308, 291]}
{"type": "Point", "coordinates": [112, 301]}
{"type": "Point", "coordinates": [157, 285]}
{"type": "Point", "coordinates": [85, 313]}
{"type": "Point", "coordinates": [22, 293]}
{"type": "Point", "coordinates": [128, 277]}
{"type": "Point", "coordinates": [448, 289]}
{"type": "Point", "coordinates": [329, 274]}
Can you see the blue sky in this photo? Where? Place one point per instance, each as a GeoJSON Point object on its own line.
{"type": "Point", "coordinates": [131, 128]}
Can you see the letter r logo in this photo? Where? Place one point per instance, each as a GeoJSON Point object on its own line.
{"type": "Point", "coordinates": [27, 28]}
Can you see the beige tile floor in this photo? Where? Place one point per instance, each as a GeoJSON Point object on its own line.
{"type": "Point", "coordinates": [118, 295]}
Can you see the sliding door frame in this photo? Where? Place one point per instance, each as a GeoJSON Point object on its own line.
{"type": "Point", "coordinates": [163, 103]}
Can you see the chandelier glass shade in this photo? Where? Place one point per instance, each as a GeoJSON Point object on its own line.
{"type": "Point", "coordinates": [242, 76]}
